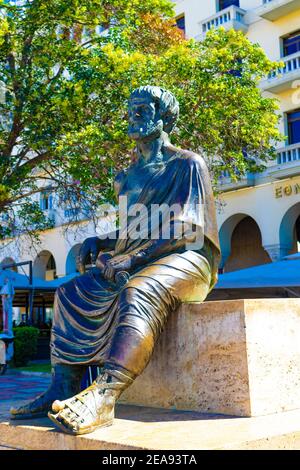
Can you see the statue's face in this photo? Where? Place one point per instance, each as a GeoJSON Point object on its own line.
{"type": "Point", "coordinates": [145, 122]}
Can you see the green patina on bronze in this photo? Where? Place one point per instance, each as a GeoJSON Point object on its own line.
{"type": "Point", "coordinates": [98, 320]}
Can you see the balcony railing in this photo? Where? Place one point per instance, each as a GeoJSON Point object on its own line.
{"type": "Point", "coordinates": [231, 17]}
{"type": "Point", "coordinates": [274, 9]}
{"type": "Point", "coordinates": [225, 183]}
{"type": "Point", "coordinates": [288, 154]}
{"type": "Point", "coordinates": [283, 77]}
{"type": "Point", "coordinates": [287, 165]}
{"type": "Point", "coordinates": [291, 63]}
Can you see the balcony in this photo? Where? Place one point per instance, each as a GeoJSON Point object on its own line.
{"type": "Point", "coordinates": [272, 10]}
{"type": "Point", "coordinates": [284, 77]}
{"type": "Point", "coordinates": [287, 165]}
{"type": "Point", "coordinates": [231, 17]}
{"type": "Point", "coordinates": [290, 153]}
{"type": "Point", "coordinates": [288, 162]}
{"type": "Point", "coordinates": [225, 183]}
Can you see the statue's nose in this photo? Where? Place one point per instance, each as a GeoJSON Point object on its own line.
{"type": "Point", "coordinates": [133, 117]}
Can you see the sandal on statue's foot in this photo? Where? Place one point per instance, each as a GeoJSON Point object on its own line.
{"type": "Point", "coordinates": [65, 383]}
{"type": "Point", "coordinates": [91, 409]}
{"type": "Point", "coordinates": [38, 408]}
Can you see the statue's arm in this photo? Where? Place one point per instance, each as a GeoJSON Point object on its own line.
{"type": "Point", "coordinates": [162, 247]}
{"type": "Point", "coordinates": [150, 251]}
{"type": "Point", "coordinates": [92, 247]}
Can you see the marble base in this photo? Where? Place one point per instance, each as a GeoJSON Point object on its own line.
{"type": "Point", "coordinates": [236, 357]}
{"type": "Point", "coordinates": [139, 428]}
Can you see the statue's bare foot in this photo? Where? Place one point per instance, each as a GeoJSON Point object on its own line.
{"type": "Point", "coordinates": [84, 413]}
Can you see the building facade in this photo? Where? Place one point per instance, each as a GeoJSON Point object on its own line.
{"type": "Point", "coordinates": [259, 218]}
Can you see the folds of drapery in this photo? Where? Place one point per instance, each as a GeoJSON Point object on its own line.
{"type": "Point", "coordinates": [87, 309]}
{"type": "Point", "coordinates": [177, 200]}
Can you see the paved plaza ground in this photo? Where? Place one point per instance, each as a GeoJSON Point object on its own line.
{"type": "Point", "coordinates": [18, 387]}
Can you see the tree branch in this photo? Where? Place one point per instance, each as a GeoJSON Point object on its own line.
{"type": "Point", "coordinates": [35, 161]}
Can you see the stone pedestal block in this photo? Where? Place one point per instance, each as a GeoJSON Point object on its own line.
{"type": "Point", "coordinates": [237, 357]}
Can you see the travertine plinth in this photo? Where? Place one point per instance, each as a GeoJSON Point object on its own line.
{"type": "Point", "coordinates": [138, 428]}
{"type": "Point", "coordinates": [237, 357]}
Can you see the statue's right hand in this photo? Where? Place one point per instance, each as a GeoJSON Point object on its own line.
{"type": "Point", "coordinates": [90, 248]}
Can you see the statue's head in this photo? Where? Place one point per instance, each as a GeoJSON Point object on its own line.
{"type": "Point", "coordinates": [151, 111]}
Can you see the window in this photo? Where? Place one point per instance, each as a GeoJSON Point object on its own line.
{"type": "Point", "coordinates": [46, 201]}
{"type": "Point", "coordinates": [227, 3]}
{"type": "Point", "coordinates": [293, 120]}
{"type": "Point", "coordinates": [291, 44]}
{"type": "Point", "coordinates": [180, 21]}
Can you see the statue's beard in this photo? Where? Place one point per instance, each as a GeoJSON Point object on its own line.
{"type": "Point", "coordinates": [148, 131]}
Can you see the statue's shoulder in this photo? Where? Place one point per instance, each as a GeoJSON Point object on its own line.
{"type": "Point", "coordinates": [119, 181]}
{"type": "Point", "coordinates": [187, 157]}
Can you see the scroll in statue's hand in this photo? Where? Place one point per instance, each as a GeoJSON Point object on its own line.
{"type": "Point", "coordinates": [116, 264]}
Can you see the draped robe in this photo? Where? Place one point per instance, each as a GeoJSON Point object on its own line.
{"type": "Point", "coordinates": [88, 309]}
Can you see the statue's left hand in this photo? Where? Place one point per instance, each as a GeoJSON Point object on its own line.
{"type": "Point", "coordinates": [116, 264]}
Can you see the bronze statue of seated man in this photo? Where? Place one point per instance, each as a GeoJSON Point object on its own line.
{"type": "Point", "coordinates": [100, 321]}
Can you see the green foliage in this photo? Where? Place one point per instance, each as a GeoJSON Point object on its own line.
{"type": "Point", "coordinates": [222, 109]}
{"type": "Point", "coordinates": [44, 368]}
{"type": "Point", "coordinates": [25, 344]}
{"type": "Point", "coordinates": [63, 121]}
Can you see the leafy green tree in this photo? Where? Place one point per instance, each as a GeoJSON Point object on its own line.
{"type": "Point", "coordinates": [223, 111]}
{"type": "Point", "coordinates": [65, 86]}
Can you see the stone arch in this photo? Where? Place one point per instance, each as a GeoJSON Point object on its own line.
{"type": "Point", "coordinates": [9, 260]}
{"type": "Point", "coordinates": [44, 266]}
{"type": "Point", "coordinates": [241, 243]}
{"type": "Point", "coordinates": [289, 232]}
{"type": "Point", "coordinates": [225, 233]}
{"type": "Point", "coordinates": [71, 259]}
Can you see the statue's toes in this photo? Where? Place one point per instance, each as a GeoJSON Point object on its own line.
{"type": "Point", "coordinates": [72, 416]}
{"type": "Point", "coordinates": [66, 416]}
{"type": "Point", "coordinates": [58, 405]}
{"type": "Point", "coordinates": [68, 419]}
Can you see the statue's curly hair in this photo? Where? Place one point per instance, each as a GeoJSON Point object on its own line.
{"type": "Point", "coordinates": [165, 101]}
